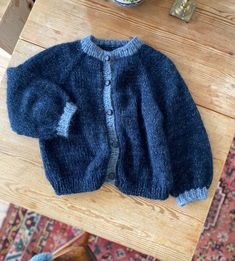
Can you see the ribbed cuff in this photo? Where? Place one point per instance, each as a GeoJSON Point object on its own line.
{"type": "Point", "coordinates": [192, 195]}
{"type": "Point", "coordinates": [65, 119]}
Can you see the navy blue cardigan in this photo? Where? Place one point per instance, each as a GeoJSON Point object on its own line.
{"type": "Point", "coordinates": [112, 111]}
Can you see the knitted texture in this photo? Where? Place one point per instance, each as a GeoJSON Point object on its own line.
{"type": "Point", "coordinates": [112, 111]}
{"type": "Point", "coordinates": [191, 195]}
{"type": "Point", "coordinates": [111, 168]}
{"type": "Point", "coordinates": [64, 122]}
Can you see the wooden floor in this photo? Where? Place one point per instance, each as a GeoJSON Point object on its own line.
{"type": "Point", "coordinates": [3, 211]}
{"type": "Point", "coordinates": [4, 61]}
{"type": "Point", "coordinates": [203, 51]}
{"type": "Point", "coordinates": [3, 7]}
{"type": "Point", "coordinates": [13, 15]}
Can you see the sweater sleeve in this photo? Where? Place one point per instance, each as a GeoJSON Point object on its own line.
{"type": "Point", "coordinates": [38, 106]}
{"type": "Point", "coordinates": [189, 148]}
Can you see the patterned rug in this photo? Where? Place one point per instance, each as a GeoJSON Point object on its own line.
{"type": "Point", "coordinates": [217, 241]}
{"type": "Point", "coordinates": [25, 233]}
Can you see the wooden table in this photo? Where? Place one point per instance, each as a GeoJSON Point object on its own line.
{"type": "Point", "coordinates": [204, 52]}
{"type": "Point", "coordinates": [13, 15]}
{"type": "Point", "coordinates": [3, 7]}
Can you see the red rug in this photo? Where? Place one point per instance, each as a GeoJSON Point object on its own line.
{"type": "Point", "coordinates": [25, 233]}
{"type": "Point", "coordinates": [217, 241]}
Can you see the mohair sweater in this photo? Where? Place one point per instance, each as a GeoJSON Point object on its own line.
{"type": "Point", "coordinates": [112, 111]}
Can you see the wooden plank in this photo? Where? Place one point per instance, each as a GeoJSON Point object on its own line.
{"type": "Point", "coordinates": [143, 224]}
{"type": "Point", "coordinates": [3, 212]}
{"type": "Point", "coordinates": [13, 15]}
{"type": "Point", "coordinates": [203, 50]}
{"type": "Point", "coordinates": [3, 7]}
{"type": "Point", "coordinates": [4, 61]}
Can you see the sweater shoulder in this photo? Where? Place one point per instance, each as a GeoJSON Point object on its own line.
{"type": "Point", "coordinates": [158, 65]}
{"type": "Point", "coordinates": [152, 58]}
{"type": "Point", "coordinates": [55, 54]}
{"type": "Point", "coordinates": [55, 62]}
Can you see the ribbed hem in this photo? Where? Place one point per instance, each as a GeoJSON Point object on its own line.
{"type": "Point", "coordinates": [143, 191]}
{"type": "Point", "coordinates": [65, 119]}
{"type": "Point", "coordinates": [192, 195]}
{"type": "Point", "coordinates": [42, 257]}
{"type": "Point", "coordinates": [123, 48]}
{"type": "Point", "coordinates": [75, 184]}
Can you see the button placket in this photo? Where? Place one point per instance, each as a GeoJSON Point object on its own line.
{"type": "Point", "coordinates": [114, 150]}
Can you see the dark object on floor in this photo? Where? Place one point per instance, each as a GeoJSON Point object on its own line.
{"type": "Point", "coordinates": [30, 3]}
{"type": "Point", "coordinates": [72, 252]}
{"type": "Point", "coordinates": [43, 234]}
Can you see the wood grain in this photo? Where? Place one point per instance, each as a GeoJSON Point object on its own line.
{"type": "Point", "coordinates": [13, 15]}
{"type": "Point", "coordinates": [3, 211]}
{"type": "Point", "coordinates": [130, 220]}
{"type": "Point", "coordinates": [204, 55]}
{"type": "Point", "coordinates": [203, 50]}
{"type": "Point", "coordinates": [3, 7]}
{"type": "Point", "coordinates": [4, 61]}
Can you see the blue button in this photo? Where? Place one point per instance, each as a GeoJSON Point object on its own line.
{"type": "Point", "coordinates": [107, 58]}
{"type": "Point", "coordinates": [115, 144]}
{"type": "Point", "coordinates": [111, 175]}
{"type": "Point", "coordinates": [109, 112]}
{"type": "Point", "coordinates": [107, 83]}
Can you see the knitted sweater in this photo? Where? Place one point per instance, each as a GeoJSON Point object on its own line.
{"type": "Point", "coordinates": [112, 111]}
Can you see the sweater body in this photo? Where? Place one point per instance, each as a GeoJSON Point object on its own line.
{"type": "Point", "coordinates": [112, 111]}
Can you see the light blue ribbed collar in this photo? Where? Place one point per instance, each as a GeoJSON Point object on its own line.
{"type": "Point", "coordinates": [92, 46]}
